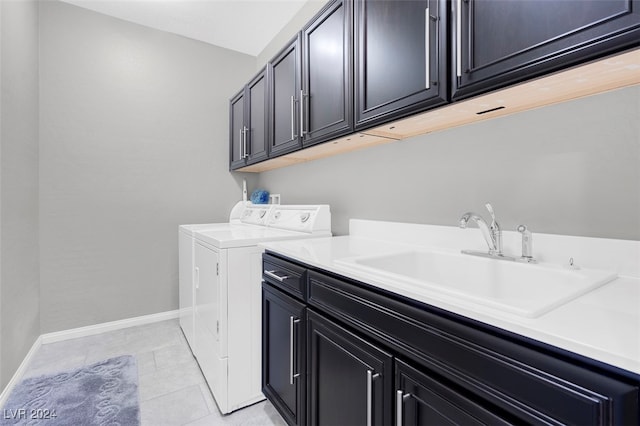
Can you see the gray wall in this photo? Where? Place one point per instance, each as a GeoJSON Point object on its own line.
{"type": "Point", "coordinates": [133, 142]}
{"type": "Point", "coordinates": [571, 168]}
{"type": "Point", "coordinates": [19, 272]}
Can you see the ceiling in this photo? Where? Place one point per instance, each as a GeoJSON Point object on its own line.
{"type": "Point", "coordinates": [246, 26]}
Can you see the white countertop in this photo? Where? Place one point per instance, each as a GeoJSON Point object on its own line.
{"type": "Point", "coordinates": [603, 324]}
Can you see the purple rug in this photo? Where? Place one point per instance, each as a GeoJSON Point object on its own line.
{"type": "Point", "coordinates": [104, 393]}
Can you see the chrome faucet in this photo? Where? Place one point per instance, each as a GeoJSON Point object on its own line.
{"type": "Point", "coordinates": [491, 233]}
{"type": "Point", "coordinates": [493, 236]}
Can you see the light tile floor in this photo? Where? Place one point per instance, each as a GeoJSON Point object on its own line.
{"type": "Point", "coordinates": [172, 390]}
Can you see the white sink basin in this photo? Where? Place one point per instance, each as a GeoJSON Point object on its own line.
{"type": "Point", "coordinates": [527, 290]}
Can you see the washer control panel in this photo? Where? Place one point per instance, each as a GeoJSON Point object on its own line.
{"type": "Point", "coordinates": [301, 218]}
{"type": "Point", "coordinates": [257, 214]}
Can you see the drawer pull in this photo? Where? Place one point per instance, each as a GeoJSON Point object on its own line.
{"type": "Point", "coordinates": [275, 277]}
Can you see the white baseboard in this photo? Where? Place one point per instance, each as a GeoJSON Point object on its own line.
{"type": "Point", "coordinates": [17, 376]}
{"type": "Point", "coordinates": [74, 333]}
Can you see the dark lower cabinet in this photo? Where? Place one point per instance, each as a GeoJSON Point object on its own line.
{"type": "Point", "coordinates": [421, 399]}
{"type": "Point", "coordinates": [283, 354]}
{"type": "Point", "coordinates": [497, 43]}
{"type": "Point", "coordinates": [349, 378]}
{"type": "Point", "coordinates": [373, 358]}
{"type": "Point", "coordinates": [400, 58]}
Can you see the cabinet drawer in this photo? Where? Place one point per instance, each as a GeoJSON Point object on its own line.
{"type": "Point", "coordinates": [284, 275]}
{"type": "Point", "coordinates": [532, 385]}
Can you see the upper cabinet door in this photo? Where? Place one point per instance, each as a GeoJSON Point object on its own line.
{"type": "Point", "coordinates": [237, 131]}
{"type": "Point", "coordinates": [326, 96]}
{"type": "Point", "coordinates": [400, 58]}
{"type": "Point", "coordinates": [496, 43]}
{"type": "Point", "coordinates": [285, 71]}
{"type": "Point", "coordinates": [257, 129]}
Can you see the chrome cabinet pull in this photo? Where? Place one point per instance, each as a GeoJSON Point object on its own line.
{"type": "Point", "coordinates": [292, 323]}
{"type": "Point", "coordinates": [427, 48]}
{"type": "Point", "coordinates": [302, 96]}
{"type": "Point", "coordinates": [401, 397]}
{"type": "Point", "coordinates": [274, 276]}
{"type": "Point", "coordinates": [244, 139]}
{"type": "Point", "coordinates": [459, 38]}
{"type": "Point", "coordinates": [240, 143]}
{"type": "Point", "coordinates": [293, 117]}
{"type": "Point", "coordinates": [371, 376]}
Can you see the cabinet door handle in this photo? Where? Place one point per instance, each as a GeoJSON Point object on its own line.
{"type": "Point", "coordinates": [275, 277]}
{"type": "Point", "coordinates": [401, 397]}
{"type": "Point", "coordinates": [244, 141]}
{"type": "Point", "coordinates": [459, 38]}
{"type": "Point", "coordinates": [427, 48]}
{"type": "Point", "coordinates": [371, 376]}
{"type": "Point", "coordinates": [197, 278]}
{"type": "Point", "coordinates": [292, 324]}
{"type": "Point", "coordinates": [302, 96]}
{"type": "Point", "coordinates": [293, 118]}
{"type": "Point", "coordinates": [241, 144]}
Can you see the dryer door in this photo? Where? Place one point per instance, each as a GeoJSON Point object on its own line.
{"type": "Point", "coordinates": [211, 319]}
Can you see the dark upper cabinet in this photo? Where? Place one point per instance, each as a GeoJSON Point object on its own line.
{"type": "Point", "coordinates": [285, 73]}
{"type": "Point", "coordinates": [326, 96]}
{"type": "Point", "coordinates": [349, 379]}
{"type": "Point", "coordinates": [257, 133]}
{"type": "Point", "coordinates": [283, 354]}
{"type": "Point", "coordinates": [400, 58]}
{"type": "Point", "coordinates": [425, 400]}
{"type": "Point", "coordinates": [237, 131]}
{"type": "Point", "coordinates": [248, 130]}
{"type": "Point", "coordinates": [497, 43]}
{"type": "Point", "coordinates": [363, 63]}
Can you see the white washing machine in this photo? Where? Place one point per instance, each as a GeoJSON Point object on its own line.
{"type": "Point", "coordinates": [186, 293]}
{"type": "Point", "coordinates": [220, 293]}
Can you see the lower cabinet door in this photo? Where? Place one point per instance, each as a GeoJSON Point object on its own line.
{"type": "Point", "coordinates": [349, 379]}
{"type": "Point", "coordinates": [283, 355]}
{"type": "Point", "coordinates": [423, 400]}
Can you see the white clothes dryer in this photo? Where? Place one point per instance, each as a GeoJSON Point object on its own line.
{"type": "Point", "coordinates": [220, 293]}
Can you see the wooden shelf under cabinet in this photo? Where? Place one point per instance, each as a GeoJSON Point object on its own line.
{"type": "Point", "coordinates": [614, 72]}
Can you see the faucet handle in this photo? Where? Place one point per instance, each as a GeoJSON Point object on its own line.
{"type": "Point", "coordinates": [527, 245]}
{"type": "Point", "coordinates": [494, 224]}
{"type": "Point", "coordinates": [493, 216]}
